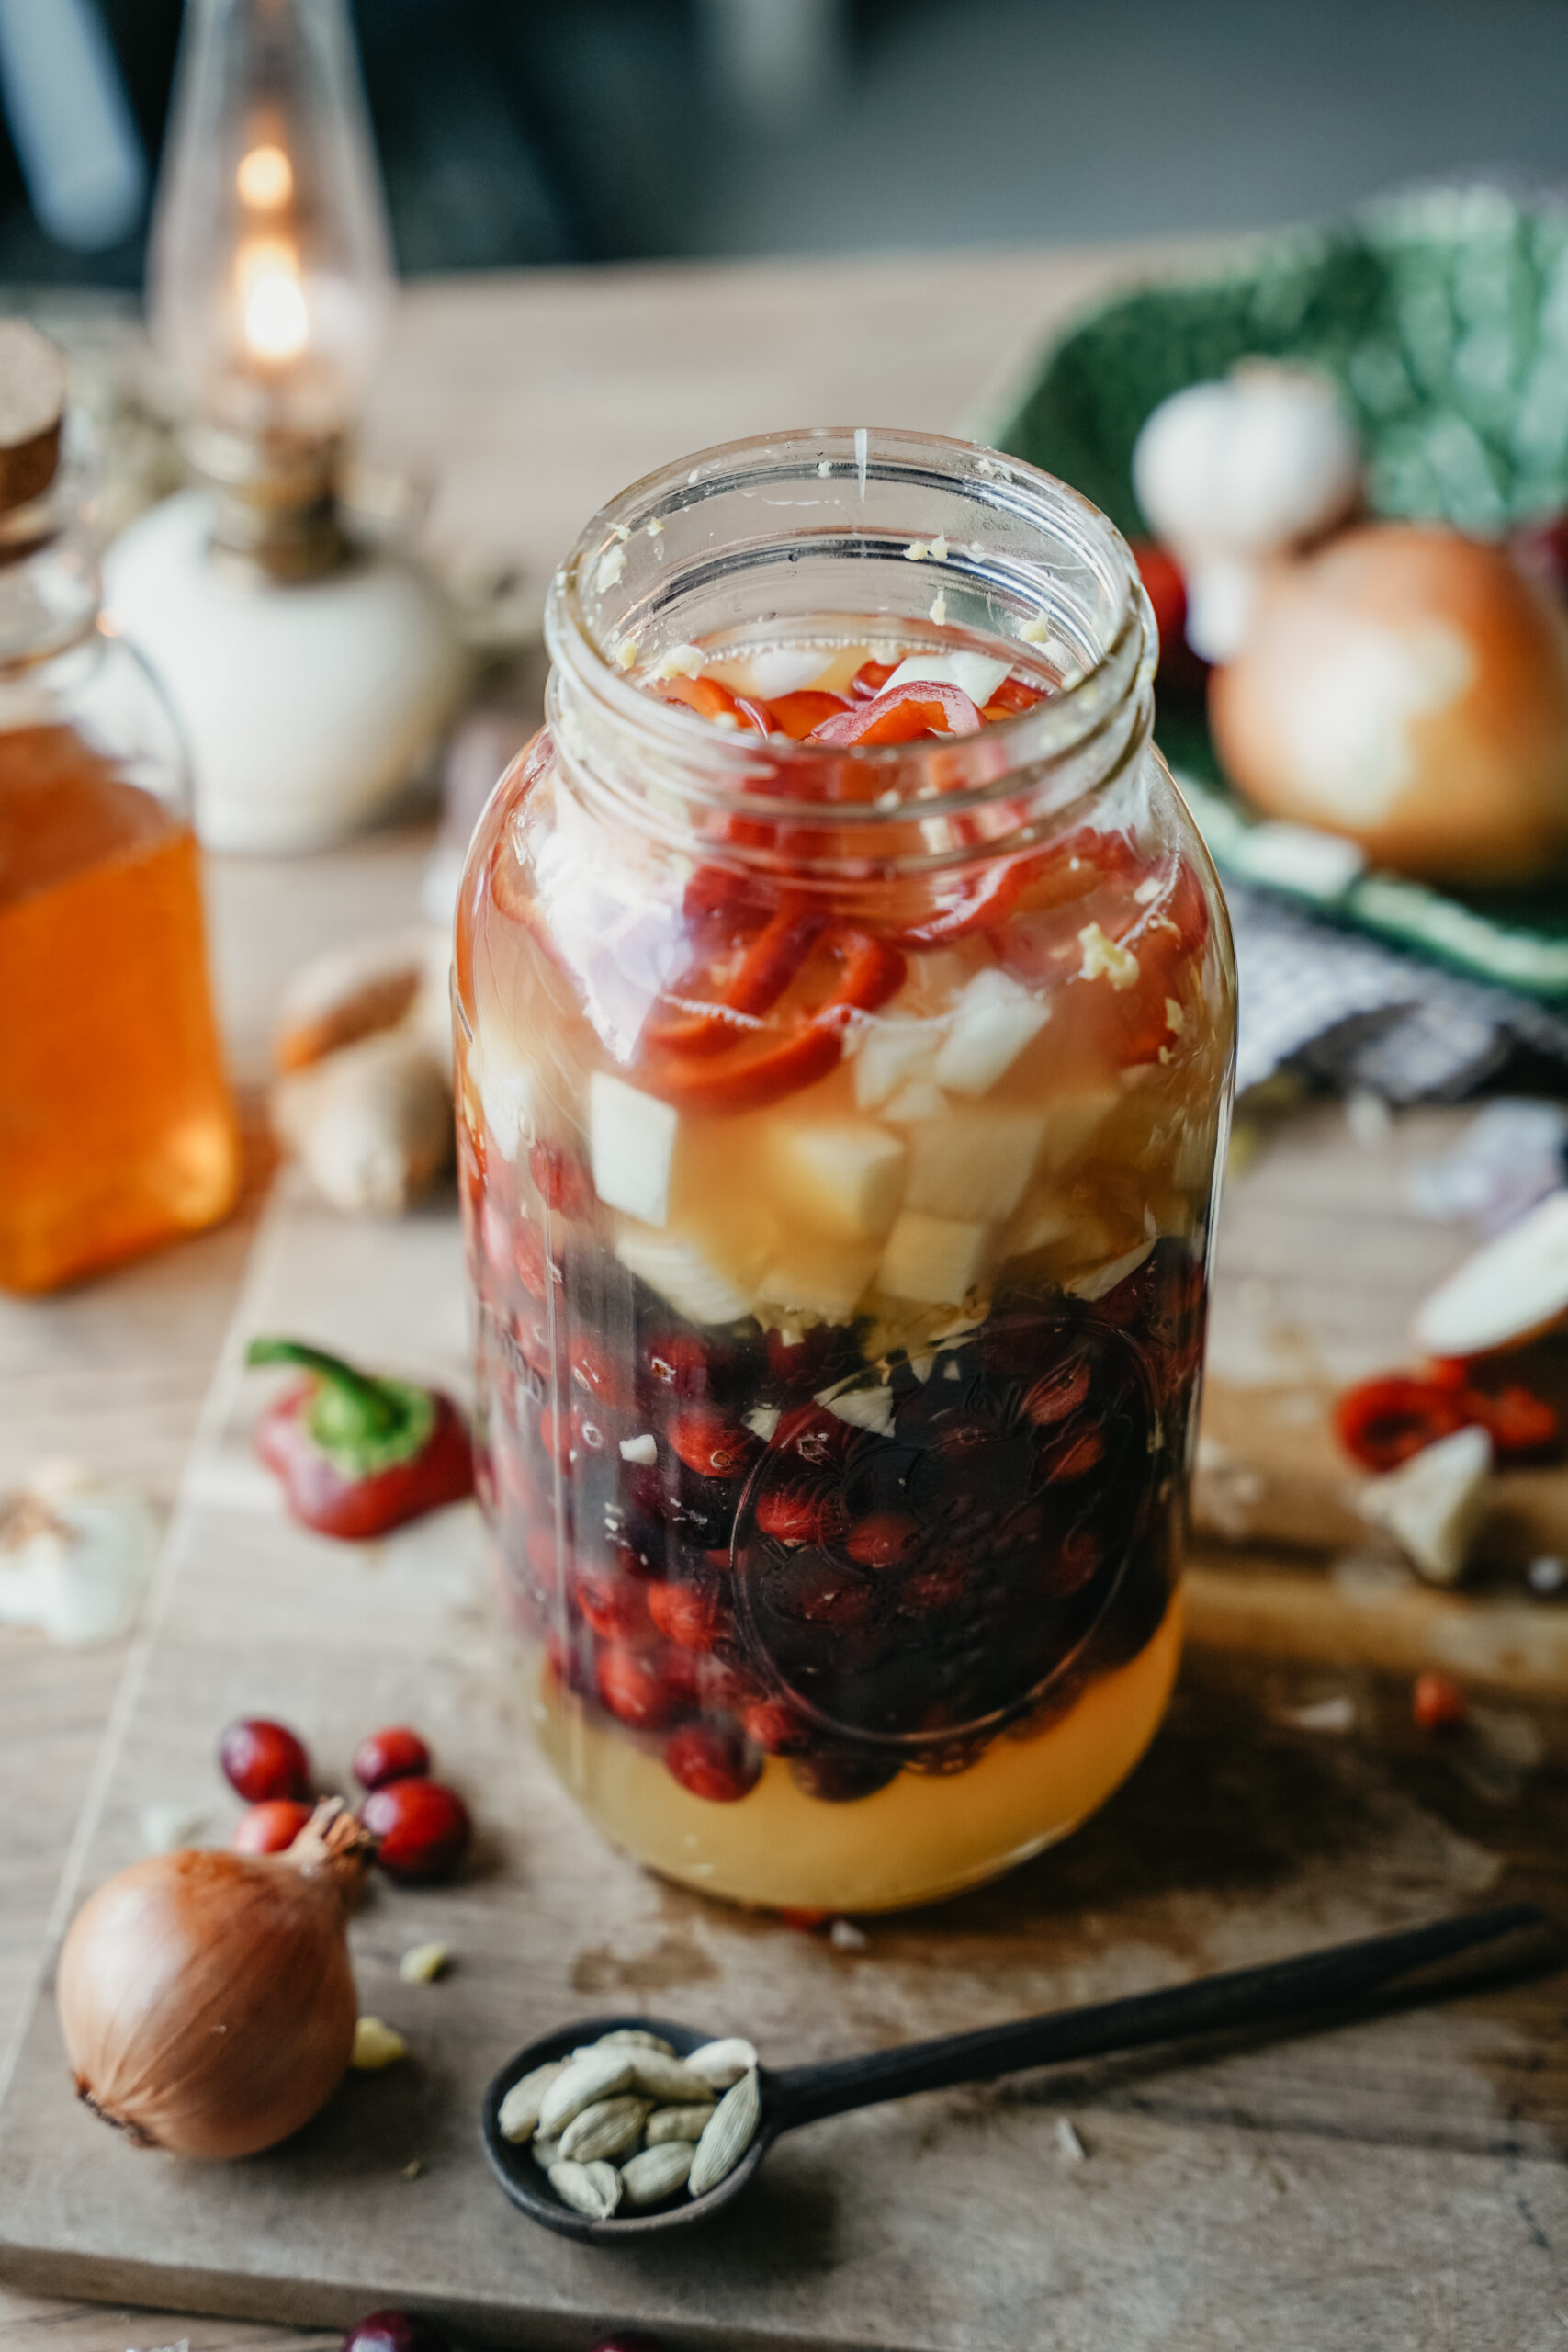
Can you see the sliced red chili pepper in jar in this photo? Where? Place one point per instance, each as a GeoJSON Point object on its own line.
{"type": "Point", "coordinates": [764, 1071]}
{"type": "Point", "coordinates": [766, 969]}
{"type": "Point", "coordinates": [356, 1454]}
{"type": "Point", "coordinates": [796, 714]}
{"type": "Point", "coordinates": [922, 706]}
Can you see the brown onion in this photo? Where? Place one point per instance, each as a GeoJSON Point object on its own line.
{"type": "Point", "coordinates": [207, 1999]}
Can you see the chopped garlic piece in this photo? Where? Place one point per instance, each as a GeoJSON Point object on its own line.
{"type": "Point", "coordinates": [939, 548]}
{"type": "Point", "coordinates": [762, 1420]}
{"type": "Point", "coordinates": [626, 653]}
{"type": "Point", "coordinates": [862, 1408]}
{"type": "Point", "coordinates": [643, 1448]}
{"type": "Point", "coordinates": [423, 1963]}
{"type": "Point", "coordinates": [917, 550]}
{"type": "Point", "coordinates": [655, 528]}
{"type": "Point", "coordinates": [1103, 959]}
{"type": "Point", "coordinates": [681, 662]}
{"type": "Point", "coordinates": [824, 467]}
{"type": "Point", "coordinates": [1036, 632]}
{"type": "Point", "coordinates": [375, 2045]}
{"type": "Point", "coordinates": [1175, 1019]}
{"type": "Point", "coordinates": [939, 608]}
{"type": "Point", "coordinates": [612, 563]}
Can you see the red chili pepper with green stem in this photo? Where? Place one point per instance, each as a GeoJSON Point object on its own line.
{"type": "Point", "coordinates": [356, 1455]}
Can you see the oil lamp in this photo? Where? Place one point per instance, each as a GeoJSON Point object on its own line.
{"type": "Point", "coordinates": [311, 671]}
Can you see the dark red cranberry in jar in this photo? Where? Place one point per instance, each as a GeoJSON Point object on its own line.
{"type": "Point", "coordinates": [1072, 1564]}
{"type": "Point", "coordinates": [711, 1444]}
{"type": "Point", "coordinates": [1056, 1393]}
{"type": "Point", "coordinates": [842, 1775]}
{"type": "Point", "coordinates": [882, 1538]}
{"type": "Point", "coordinates": [774, 1725]}
{"type": "Point", "coordinates": [394, 2331]}
{"type": "Point", "coordinates": [712, 1763]}
{"type": "Point", "coordinates": [804, 1509]}
{"type": "Point", "coordinates": [616, 1606]}
{"type": "Point", "coordinates": [261, 1760]}
{"type": "Point", "coordinates": [395, 1754]}
{"type": "Point", "coordinates": [1072, 1456]}
{"type": "Point", "coordinates": [540, 1346]}
{"type": "Point", "coordinates": [272, 1827]}
{"type": "Point", "coordinates": [563, 1183]}
{"type": "Point", "coordinates": [681, 1366]}
{"type": "Point", "coordinates": [814, 1589]}
{"type": "Point", "coordinates": [633, 1691]}
{"type": "Point", "coordinates": [635, 2342]}
{"type": "Point", "coordinates": [804, 1362]}
{"type": "Point", "coordinates": [812, 1436]}
{"type": "Point", "coordinates": [941, 1585]}
{"type": "Point", "coordinates": [692, 1615]}
{"type": "Point", "coordinates": [556, 1437]}
{"type": "Point", "coordinates": [596, 1372]}
{"type": "Point", "coordinates": [424, 1827]}
{"type": "Point", "coordinates": [536, 1270]}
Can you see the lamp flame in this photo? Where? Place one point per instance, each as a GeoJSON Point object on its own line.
{"type": "Point", "coordinates": [265, 179]}
{"type": "Point", "coordinates": [276, 318]}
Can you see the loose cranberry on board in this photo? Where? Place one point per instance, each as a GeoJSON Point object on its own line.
{"type": "Point", "coordinates": [271, 1828]}
{"type": "Point", "coordinates": [395, 1754]}
{"type": "Point", "coordinates": [395, 2331]}
{"type": "Point", "coordinates": [424, 1828]}
{"type": "Point", "coordinates": [261, 1759]}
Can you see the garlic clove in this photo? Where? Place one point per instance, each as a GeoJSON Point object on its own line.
{"type": "Point", "coordinates": [1432, 1504]}
{"type": "Point", "coordinates": [1246, 465]}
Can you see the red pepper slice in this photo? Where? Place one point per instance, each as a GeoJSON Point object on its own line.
{"type": "Point", "coordinates": [761, 978]}
{"type": "Point", "coordinates": [869, 679]}
{"type": "Point", "coordinates": [357, 1455]}
{"type": "Point", "coordinates": [796, 714]}
{"type": "Point", "coordinates": [1382, 1423]}
{"type": "Point", "coordinates": [1065, 870]}
{"type": "Point", "coordinates": [923, 707]}
{"type": "Point", "coordinates": [748, 1081]}
{"type": "Point", "coordinates": [1011, 696]}
{"type": "Point", "coordinates": [710, 700]}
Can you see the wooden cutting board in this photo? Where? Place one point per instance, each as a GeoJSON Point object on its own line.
{"type": "Point", "coordinates": [1391, 2184]}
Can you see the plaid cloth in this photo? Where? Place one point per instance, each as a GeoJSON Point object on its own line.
{"type": "Point", "coordinates": [1361, 1015]}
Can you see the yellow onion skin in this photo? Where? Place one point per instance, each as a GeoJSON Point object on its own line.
{"type": "Point", "coordinates": [207, 1999]}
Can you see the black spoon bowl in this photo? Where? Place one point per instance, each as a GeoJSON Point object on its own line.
{"type": "Point", "coordinates": [1312, 1982]}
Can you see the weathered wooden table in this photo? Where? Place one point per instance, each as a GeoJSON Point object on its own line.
{"type": "Point", "coordinates": [532, 400]}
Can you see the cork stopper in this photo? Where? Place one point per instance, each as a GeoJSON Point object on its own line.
{"type": "Point", "coordinates": [32, 405]}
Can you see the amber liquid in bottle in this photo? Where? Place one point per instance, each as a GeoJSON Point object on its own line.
{"type": "Point", "coordinates": [116, 1129]}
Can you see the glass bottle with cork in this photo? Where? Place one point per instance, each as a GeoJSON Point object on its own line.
{"type": "Point", "coordinates": [116, 1127]}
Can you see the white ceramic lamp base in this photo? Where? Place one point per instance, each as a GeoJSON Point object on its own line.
{"type": "Point", "coordinates": [305, 707]}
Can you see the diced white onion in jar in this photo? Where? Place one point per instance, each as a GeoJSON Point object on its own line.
{"type": "Point", "coordinates": [892, 1052]}
{"type": "Point", "coordinates": [936, 1261]}
{"type": "Point", "coordinates": [975, 1163]}
{"type": "Point", "coordinates": [816, 1280]}
{"type": "Point", "coordinates": [977, 674]}
{"type": "Point", "coordinates": [844, 1176]}
{"type": "Point", "coordinates": [1073, 1118]}
{"type": "Point", "coordinates": [682, 1273]}
{"type": "Point", "coordinates": [993, 1020]}
{"type": "Point", "coordinates": [632, 1140]}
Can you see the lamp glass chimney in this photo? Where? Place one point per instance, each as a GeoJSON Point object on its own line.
{"type": "Point", "coordinates": [270, 272]}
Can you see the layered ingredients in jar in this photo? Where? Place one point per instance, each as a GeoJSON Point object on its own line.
{"type": "Point", "coordinates": [841, 1259]}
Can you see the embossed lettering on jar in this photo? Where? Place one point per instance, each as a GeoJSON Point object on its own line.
{"type": "Point", "coordinates": [845, 1017]}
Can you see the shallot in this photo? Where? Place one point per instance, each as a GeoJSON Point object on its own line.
{"type": "Point", "coordinates": [207, 1999]}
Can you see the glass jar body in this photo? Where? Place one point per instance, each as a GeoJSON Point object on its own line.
{"type": "Point", "coordinates": [834, 1426]}
{"type": "Point", "coordinates": [116, 1127]}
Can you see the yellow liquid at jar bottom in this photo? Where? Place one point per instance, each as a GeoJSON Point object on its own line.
{"type": "Point", "coordinates": [920, 1838]}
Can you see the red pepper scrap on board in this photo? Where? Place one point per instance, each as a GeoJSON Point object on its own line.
{"type": "Point", "coordinates": [357, 1455]}
{"type": "Point", "coordinates": [1382, 1423]}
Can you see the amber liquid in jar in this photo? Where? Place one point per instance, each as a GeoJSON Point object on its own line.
{"type": "Point", "coordinates": [116, 1130]}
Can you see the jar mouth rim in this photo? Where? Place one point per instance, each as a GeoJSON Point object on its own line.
{"type": "Point", "coordinates": [1065, 722]}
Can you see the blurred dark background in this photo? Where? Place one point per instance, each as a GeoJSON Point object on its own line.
{"type": "Point", "coordinates": [516, 132]}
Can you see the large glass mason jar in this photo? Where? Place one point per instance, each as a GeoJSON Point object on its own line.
{"type": "Point", "coordinates": [840, 1122]}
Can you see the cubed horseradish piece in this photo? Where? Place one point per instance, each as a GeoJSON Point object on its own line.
{"type": "Point", "coordinates": [991, 1023]}
{"type": "Point", "coordinates": [808, 1277]}
{"type": "Point", "coordinates": [889, 1053]}
{"type": "Point", "coordinates": [975, 1163]}
{"type": "Point", "coordinates": [675, 1266]}
{"type": "Point", "coordinates": [632, 1142]}
{"type": "Point", "coordinates": [977, 674]}
{"type": "Point", "coordinates": [846, 1176]}
{"type": "Point", "coordinates": [934, 1259]}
